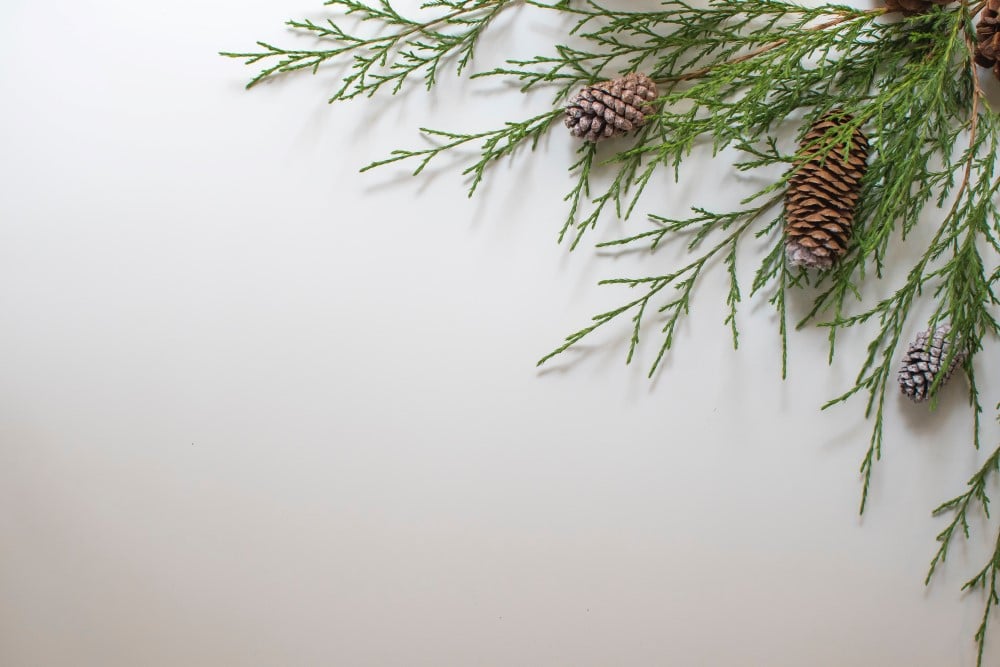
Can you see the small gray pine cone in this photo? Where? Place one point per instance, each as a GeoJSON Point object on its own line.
{"type": "Point", "coordinates": [913, 6]}
{"type": "Point", "coordinates": [822, 196]}
{"type": "Point", "coordinates": [923, 360]}
{"type": "Point", "coordinates": [611, 108]}
{"type": "Point", "coordinates": [988, 37]}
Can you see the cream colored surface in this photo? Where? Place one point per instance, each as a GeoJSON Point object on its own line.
{"type": "Point", "coordinates": [259, 409]}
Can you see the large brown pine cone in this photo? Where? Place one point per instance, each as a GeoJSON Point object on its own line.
{"type": "Point", "coordinates": [988, 37]}
{"type": "Point", "coordinates": [923, 362]}
{"type": "Point", "coordinates": [913, 6]}
{"type": "Point", "coordinates": [611, 108]}
{"type": "Point", "coordinates": [822, 195]}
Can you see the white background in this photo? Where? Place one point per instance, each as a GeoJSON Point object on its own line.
{"type": "Point", "coordinates": [257, 408]}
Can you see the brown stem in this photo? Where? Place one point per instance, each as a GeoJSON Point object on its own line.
{"type": "Point", "coordinates": [977, 95]}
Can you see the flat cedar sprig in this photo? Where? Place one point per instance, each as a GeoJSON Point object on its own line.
{"type": "Point", "coordinates": [732, 75]}
{"type": "Point", "coordinates": [985, 579]}
{"type": "Point", "coordinates": [399, 48]}
{"type": "Point", "coordinates": [674, 44]}
{"type": "Point", "coordinates": [493, 145]}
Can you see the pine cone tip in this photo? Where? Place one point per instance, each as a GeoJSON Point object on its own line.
{"type": "Point", "coordinates": [808, 254]}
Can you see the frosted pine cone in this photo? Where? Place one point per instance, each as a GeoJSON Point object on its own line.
{"type": "Point", "coordinates": [988, 38]}
{"type": "Point", "coordinates": [822, 196]}
{"type": "Point", "coordinates": [913, 6]}
{"type": "Point", "coordinates": [923, 360]}
{"type": "Point", "coordinates": [611, 108]}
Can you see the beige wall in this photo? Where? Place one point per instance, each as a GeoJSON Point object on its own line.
{"type": "Point", "coordinates": [258, 409]}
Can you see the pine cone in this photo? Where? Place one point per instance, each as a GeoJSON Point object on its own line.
{"type": "Point", "coordinates": [913, 6]}
{"type": "Point", "coordinates": [922, 363]}
{"type": "Point", "coordinates": [988, 37]}
{"type": "Point", "coordinates": [611, 108]}
{"type": "Point", "coordinates": [821, 197]}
